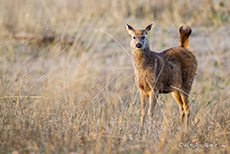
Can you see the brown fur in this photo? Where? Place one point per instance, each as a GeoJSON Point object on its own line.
{"type": "Point", "coordinates": [185, 32]}
{"type": "Point", "coordinates": [171, 71]}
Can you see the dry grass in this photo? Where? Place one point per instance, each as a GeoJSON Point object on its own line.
{"type": "Point", "coordinates": [83, 99]}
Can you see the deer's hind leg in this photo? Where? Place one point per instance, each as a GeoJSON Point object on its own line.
{"type": "Point", "coordinates": [184, 98]}
{"type": "Point", "coordinates": [186, 88]}
{"type": "Point", "coordinates": [177, 96]}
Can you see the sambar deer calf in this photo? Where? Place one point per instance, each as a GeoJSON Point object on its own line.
{"type": "Point", "coordinates": [170, 71]}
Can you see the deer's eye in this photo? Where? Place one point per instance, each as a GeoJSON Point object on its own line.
{"type": "Point", "coordinates": [143, 37]}
{"type": "Point", "coordinates": [134, 37]}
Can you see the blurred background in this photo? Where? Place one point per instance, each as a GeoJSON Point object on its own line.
{"type": "Point", "coordinates": [67, 80]}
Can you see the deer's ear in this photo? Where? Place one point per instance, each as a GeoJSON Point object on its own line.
{"type": "Point", "coordinates": [130, 29]}
{"type": "Point", "coordinates": [148, 28]}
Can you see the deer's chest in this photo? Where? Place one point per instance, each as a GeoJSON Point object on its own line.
{"type": "Point", "coordinates": [144, 81]}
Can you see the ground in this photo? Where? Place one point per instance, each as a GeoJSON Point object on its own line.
{"type": "Point", "coordinates": [58, 98]}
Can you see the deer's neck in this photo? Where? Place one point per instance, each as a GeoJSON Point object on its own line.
{"type": "Point", "coordinates": [142, 58]}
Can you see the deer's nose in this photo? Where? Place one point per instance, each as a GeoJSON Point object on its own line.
{"type": "Point", "coordinates": [138, 45]}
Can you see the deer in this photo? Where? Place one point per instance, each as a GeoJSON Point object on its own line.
{"type": "Point", "coordinates": [170, 71]}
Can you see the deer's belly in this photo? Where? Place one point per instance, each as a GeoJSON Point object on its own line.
{"type": "Point", "coordinates": [164, 91]}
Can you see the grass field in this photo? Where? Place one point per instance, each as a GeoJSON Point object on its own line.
{"type": "Point", "coordinates": [57, 98]}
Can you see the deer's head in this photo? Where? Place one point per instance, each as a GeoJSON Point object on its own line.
{"type": "Point", "coordinates": [139, 41]}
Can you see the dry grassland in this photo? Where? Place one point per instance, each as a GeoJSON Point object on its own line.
{"type": "Point", "coordinates": [57, 98]}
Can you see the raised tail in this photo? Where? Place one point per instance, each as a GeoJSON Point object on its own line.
{"type": "Point", "coordinates": [185, 32]}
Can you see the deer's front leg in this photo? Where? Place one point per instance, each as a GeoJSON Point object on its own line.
{"type": "Point", "coordinates": [152, 102]}
{"type": "Point", "coordinates": [144, 99]}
